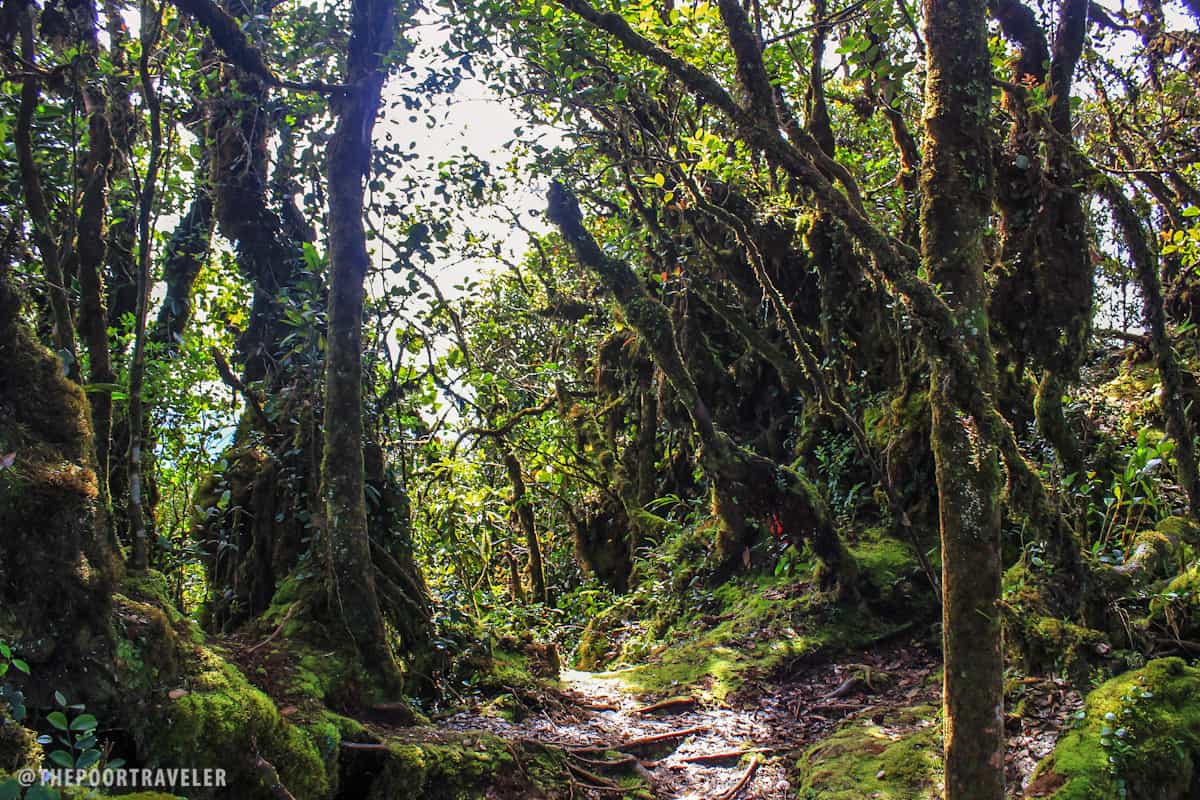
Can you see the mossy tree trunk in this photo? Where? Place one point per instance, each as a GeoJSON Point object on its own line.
{"type": "Point", "coordinates": [57, 564]}
{"type": "Point", "coordinates": [1145, 264]}
{"type": "Point", "coordinates": [522, 505]}
{"type": "Point", "coordinates": [351, 583]}
{"type": "Point", "coordinates": [956, 188]}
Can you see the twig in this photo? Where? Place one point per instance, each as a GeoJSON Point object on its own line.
{"type": "Point", "coordinates": [291, 610]}
{"type": "Point", "coordinates": [595, 781]}
{"type": "Point", "coordinates": [624, 760]}
{"type": "Point", "coordinates": [370, 746]}
{"type": "Point", "coordinates": [270, 777]}
{"type": "Point", "coordinates": [746, 777]}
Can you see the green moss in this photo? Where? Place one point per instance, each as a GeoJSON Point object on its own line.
{"type": "Point", "coordinates": [18, 745]}
{"type": "Point", "coordinates": [897, 758]}
{"type": "Point", "coordinates": [194, 709]}
{"type": "Point", "coordinates": [1042, 642]}
{"type": "Point", "coordinates": [473, 765]}
{"type": "Point", "coordinates": [1176, 608]}
{"type": "Point", "coordinates": [759, 624]}
{"type": "Point", "coordinates": [150, 586]}
{"type": "Point", "coordinates": [1141, 730]}
{"type": "Point", "coordinates": [891, 573]}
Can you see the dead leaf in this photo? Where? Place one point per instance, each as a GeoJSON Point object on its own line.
{"type": "Point", "coordinates": [175, 694]}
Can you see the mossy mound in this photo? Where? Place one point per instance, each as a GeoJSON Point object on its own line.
{"type": "Point", "coordinates": [891, 575]}
{"type": "Point", "coordinates": [191, 708]}
{"type": "Point", "coordinates": [1139, 739]}
{"type": "Point", "coordinates": [897, 758]}
{"type": "Point", "coordinates": [463, 767]}
{"type": "Point", "coordinates": [749, 626]}
{"type": "Point", "coordinates": [1041, 641]}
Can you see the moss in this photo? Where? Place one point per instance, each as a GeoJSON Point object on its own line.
{"type": "Point", "coordinates": [18, 745]}
{"type": "Point", "coordinates": [896, 758]}
{"type": "Point", "coordinates": [462, 767]}
{"type": "Point", "coordinates": [1140, 731]}
{"type": "Point", "coordinates": [1176, 608]}
{"type": "Point", "coordinates": [194, 709]}
{"type": "Point", "coordinates": [892, 574]}
{"type": "Point", "coordinates": [758, 624]}
{"type": "Point", "coordinates": [1041, 641]}
{"type": "Point", "coordinates": [55, 555]}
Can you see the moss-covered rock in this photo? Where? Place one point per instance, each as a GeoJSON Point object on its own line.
{"type": "Point", "coordinates": [461, 767]}
{"type": "Point", "coordinates": [1139, 739]}
{"type": "Point", "coordinates": [216, 718]}
{"type": "Point", "coordinates": [189, 707]}
{"type": "Point", "coordinates": [896, 758]}
{"type": "Point", "coordinates": [18, 745]}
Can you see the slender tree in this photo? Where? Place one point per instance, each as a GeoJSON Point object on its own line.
{"type": "Point", "coordinates": [351, 574]}
{"type": "Point", "coordinates": [956, 201]}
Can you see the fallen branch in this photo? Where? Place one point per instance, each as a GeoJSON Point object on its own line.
{"type": "Point", "coordinates": [728, 755]}
{"type": "Point", "coordinates": [746, 778]}
{"type": "Point", "coordinates": [291, 610]}
{"type": "Point", "coordinates": [669, 703]}
{"type": "Point", "coordinates": [623, 761]}
{"type": "Point", "coordinates": [641, 742]}
{"type": "Point", "coordinates": [840, 706]}
{"type": "Point", "coordinates": [594, 781]}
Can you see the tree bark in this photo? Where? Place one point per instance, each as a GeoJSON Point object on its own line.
{"type": "Point", "coordinates": [524, 511]}
{"type": "Point", "coordinates": [139, 533]}
{"type": "Point", "coordinates": [956, 189]}
{"type": "Point", "coordinates": [351, 575]}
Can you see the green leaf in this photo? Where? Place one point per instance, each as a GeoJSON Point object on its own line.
{"type": "Point", "coordinates": [10, 789]}
{"type": "Point", "coordinates": [5, 651]}
{"type": "Point", "coordinates": [21, 665]}
{"type": "Point", "coordinates": [40, 792]}
{"type": "Point", "coordinates": [89, 758]}
{"type": "Point", "coordinates": [1191, 211]}
{"type": "Point", "coordinates": [63, 759]}
{"type": "Point", "coordinates": [84, 722]}
{"type": "Point", "coordinates": [60, 698]}
{"type": "Point", "coordinates": [58, 720]}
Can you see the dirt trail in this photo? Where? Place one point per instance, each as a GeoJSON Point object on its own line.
{"type": "Point", "coordinates": [598, 711]}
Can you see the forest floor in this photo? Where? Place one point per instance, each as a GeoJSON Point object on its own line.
{"type": "Point", "coordinates": [688, 747]}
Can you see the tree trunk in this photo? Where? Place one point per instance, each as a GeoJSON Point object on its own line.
{"type": "Point", "coordinates": [521, 503]}
{"type": "Point", "coordinates": [139, 530]}
{"type": "Point", "coordinates": [351, 585]}
{"type": "Point", "coordinates": [956, 186]}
